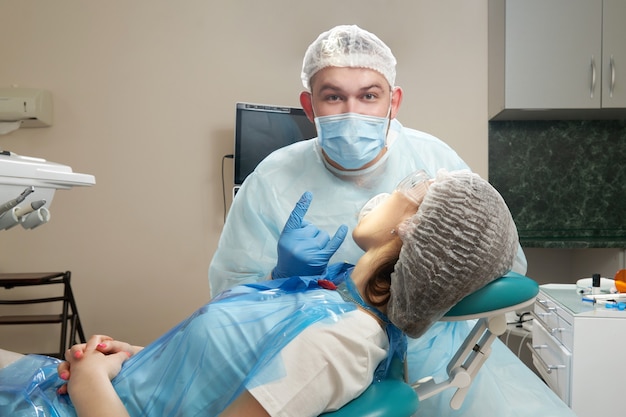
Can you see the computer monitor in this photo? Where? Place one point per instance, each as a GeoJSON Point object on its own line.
{"type": "Point", "coordinates": [261, 129]}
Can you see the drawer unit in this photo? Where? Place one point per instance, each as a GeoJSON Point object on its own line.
{"type": "Point", "coordinates": [573, 345]}
{"type": "Point", "coordinates": [553, 361]}
{"type": "Point", "coordinates": [555, 320]}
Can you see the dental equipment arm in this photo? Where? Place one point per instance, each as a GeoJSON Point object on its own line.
{"type": "Point", "coordinates": [17, 200]}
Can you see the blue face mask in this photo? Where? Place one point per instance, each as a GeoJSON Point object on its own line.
{"type": "Point", "coordinates": [351, 139]}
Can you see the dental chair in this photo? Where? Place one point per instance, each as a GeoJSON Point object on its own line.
{"type": "Point", "coordinates": [393, 397]}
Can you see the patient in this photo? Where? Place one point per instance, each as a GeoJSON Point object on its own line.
{"type": "Point", "coordinates": [295, 346]}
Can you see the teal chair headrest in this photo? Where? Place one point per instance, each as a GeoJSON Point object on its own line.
{"type": "Point", "coordinates": [504, 292]}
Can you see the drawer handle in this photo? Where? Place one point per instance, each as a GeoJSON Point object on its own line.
{"type": "Point", "coordinates": [544, 305]}
{"type": "Point", "coordinates": [557, 329]}
{"type": "Point", "coordinates": [541, 321]}
{"type": "Point", "coordinates": [535, 350]}
{"type": "Point", "coordinates": [543, 324]}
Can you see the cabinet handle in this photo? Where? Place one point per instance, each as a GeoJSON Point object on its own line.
{"type": "Point", "coordinates": [612, 86]}
{"type": "Point", "coordinates": [556, 329]}
{"type": "Point", "coordinates": [593, 76]}
{"type": "Point", "coordinates": [535, 350]}
{"type": "Point", "coordinates": [544, 305]}
{"type": "Point", "coordinates": [543, 324]}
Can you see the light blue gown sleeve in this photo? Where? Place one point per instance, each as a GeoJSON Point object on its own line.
{"type": "Point", "coordinates": [246, 251]}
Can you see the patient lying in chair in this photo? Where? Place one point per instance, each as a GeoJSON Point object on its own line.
{"type": "Point", "coordinates": [298, 346]}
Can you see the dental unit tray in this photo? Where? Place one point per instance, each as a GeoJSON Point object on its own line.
{"type": "Point", "coordinates": [38, 180]}
{"type": "Point", "coordinates": [395, 398]}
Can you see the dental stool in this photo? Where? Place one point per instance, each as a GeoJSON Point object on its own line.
{"type": "Point", "coordinates": [393, 397]}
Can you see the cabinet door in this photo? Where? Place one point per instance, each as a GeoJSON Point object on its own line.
{"type": "Point", "coordinates": [614, 54]}
{"type": "Point", "coordinates": [553, 54]}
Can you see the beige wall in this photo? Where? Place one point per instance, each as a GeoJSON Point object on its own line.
{"type": "Point", "coordinates": [144, 95]}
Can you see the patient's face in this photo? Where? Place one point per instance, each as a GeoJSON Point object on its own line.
{"type": "Point", "coordinates": [377, 227]}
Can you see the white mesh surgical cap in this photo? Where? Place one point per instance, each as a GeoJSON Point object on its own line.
{"type": "Point", "coordinates": [348, 46]}
{"type": "Point", "coordinates": [461, 238]}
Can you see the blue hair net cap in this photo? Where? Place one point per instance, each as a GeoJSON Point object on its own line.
{"type": "Point", "coordinates": [348, 46]}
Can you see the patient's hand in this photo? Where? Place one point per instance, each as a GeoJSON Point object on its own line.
{"type": "Point", "coordinates": [90, 386]}
{"type": "Point", "coordinates": [108, 345]}
{"type": "Point", "coordinates": [100, 354]}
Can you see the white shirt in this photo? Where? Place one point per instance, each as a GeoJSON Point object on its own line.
{"type": "Point", "coordinates": [325, 367]}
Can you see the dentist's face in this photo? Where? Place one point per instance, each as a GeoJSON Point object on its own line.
{"type": "Point", "coordinates": [350, 90]}
{"type": "Point", "coordinates": [337, 90]}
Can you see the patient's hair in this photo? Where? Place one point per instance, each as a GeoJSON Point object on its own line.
{"type": "Point", "coordinates": [377, 287]}
{"type": "Point", "coordinates": [461, 238]}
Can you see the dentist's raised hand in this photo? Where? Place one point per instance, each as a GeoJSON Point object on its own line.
{"type": "Point", "coordinates": [303, 249]}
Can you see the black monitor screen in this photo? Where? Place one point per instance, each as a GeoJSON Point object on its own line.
{"type": "Point", "coordinates": [261, 129]}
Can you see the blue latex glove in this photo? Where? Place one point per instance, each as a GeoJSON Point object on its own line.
{"type": "Point", "coordinates": [303, 249]}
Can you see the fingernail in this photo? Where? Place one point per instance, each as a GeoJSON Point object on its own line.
{"type": "Point", "coordinates": [102, 345]}
{"type": "Point", "coordinates": [64, 375]}
{"type": "Point", "coordinates": [129, 354]}
{"type": "Point", "coordinates": [78, 354]}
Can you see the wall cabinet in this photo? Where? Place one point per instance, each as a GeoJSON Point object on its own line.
{"type": "Point", "coordinates": [563, 55]}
